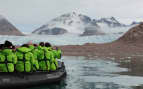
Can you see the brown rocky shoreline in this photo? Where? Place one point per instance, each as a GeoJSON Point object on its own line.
{"type": "Point", "coordinates": [115, 49]}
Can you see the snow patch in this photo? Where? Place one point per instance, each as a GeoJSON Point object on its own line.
{"type": "Point", "coordinates": [105, 28]}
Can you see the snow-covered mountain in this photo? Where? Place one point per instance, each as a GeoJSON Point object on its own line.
{"type": "Point", "coordinates": [6, 28]}
{"type": "Point", "coordinates": [74, 23]}
{"type": "Point", "coordinates": [70, 23]}
{"type": "Point", "coordinates": [113, 26]}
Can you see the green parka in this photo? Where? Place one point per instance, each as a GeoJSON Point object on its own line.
{"type": "Point", "coordinates": [57, 53]}
{"type": "Point", "coordinates": [52, 57]}
{"type": "Point", "coordinates": [35, 52]}
{"type": "Point", "coordinates": [7, 60]}
{"type": "Point", "coordinates": [25, 60]}
{"type": "Point", "coordinates": [43, 59]}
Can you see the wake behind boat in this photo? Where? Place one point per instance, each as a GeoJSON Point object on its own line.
{"type": "Point", "coordinates": [10, 80]}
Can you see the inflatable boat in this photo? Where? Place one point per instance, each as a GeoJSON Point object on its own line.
{"type": "Point", "coordinates": [10, 80]}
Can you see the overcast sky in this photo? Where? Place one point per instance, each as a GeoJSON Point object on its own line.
{"type": "Point", "coordinates": [27, 15]}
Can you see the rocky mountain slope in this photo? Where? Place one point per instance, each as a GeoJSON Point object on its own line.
{"type": "Point", "coordinates": [6, 28]}
{"type": "Point", "coordinates": [134, 35]}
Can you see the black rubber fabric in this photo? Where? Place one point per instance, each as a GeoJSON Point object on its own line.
{"type": "Point", "coordinates": [50, 77]}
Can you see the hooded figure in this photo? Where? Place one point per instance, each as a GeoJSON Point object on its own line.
{"type": "Point", "coordinates": [43, 59]}
{"type": "Point", "coordinates": [25, 59]}
{"type": "Point", "coordinates": [56, 55]}
{"type": "Point", "coordinates": [7, 58]}
{"type": "Point", "coordinates": [35, 52]}
{"type": "Point", "coordinates": [52, 57]}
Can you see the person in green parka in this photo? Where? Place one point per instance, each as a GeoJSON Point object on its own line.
{"type": "Point", "coordinates": [35, 52]}
{"type": "Point", "coordinates": [44, 63]}
{"type": "Point", "coordinates": [57, 55]}
{"type": "Point", "coordinates": [52, 57]}
{"type": "Point", "coordinates": [7, 58]}
{"type": "Point", "coordinates": [25, 59]}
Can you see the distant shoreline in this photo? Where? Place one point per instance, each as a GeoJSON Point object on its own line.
{"type": "Point", "coordinates": [117, 50]}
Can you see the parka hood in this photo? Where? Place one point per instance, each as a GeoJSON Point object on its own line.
{"type": "Point", "coordinates": [39, 47]}
{"type": "Point", "coordinates": [48, 48]}
{"type": "Point", "coordinates": [7, 51]}
{"type": "Point", "coordinates": [31, 47]}
{"type": "Point", "coordinates": [24, 49]}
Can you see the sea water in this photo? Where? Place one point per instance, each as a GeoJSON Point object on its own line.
{"type": "Point", "coordinates": [84, 73]}
{"type": "Point", "coordinates": [69, 39]}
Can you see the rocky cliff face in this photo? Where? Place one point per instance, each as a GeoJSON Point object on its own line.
{"type": "Point", "coordinates": [6, 28]}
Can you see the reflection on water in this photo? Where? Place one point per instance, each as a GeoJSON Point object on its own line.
{"type": "Point", "coordinates": [135, 67]}
{"type": "Point", "coordinates": [94, 74]}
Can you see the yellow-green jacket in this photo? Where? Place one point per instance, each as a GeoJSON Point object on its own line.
{"type": "Point", "coordinates": [7, 60]}
{"type": "Point", "coordinates": [43, 59]}
{"type": "Point", "coordinates": [35, 52]}
{"type": "Point", "coordinates": [52, 57]}
{"type": "Point", "coordinates": [25, 60]}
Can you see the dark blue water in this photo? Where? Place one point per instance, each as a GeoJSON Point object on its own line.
{"type": "Point", "coordinates": [85, 73]}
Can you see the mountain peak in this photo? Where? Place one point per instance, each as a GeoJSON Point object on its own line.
{"type": "Point", "coordinates": [69, 14]}
{"type": "Point", "coordinates": [6, 28]}
{"type": "Point", "coordinates": [110, 19]}
{"type": "Point", "coordinates": [71, 19]}
{"type": "Point", "coordinates": [111, 22]}
{"type": "Point", "coordinates": [67, 17]}
{"type": "Point", "coordinates": [71, 22]}
{"type": "Point", "coordinates": [78, 24]}
{"type": "Point", "coordinates": [113, 19]}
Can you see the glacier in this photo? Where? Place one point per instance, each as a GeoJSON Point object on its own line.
{"type": "Point", "coordinates": [66, 39]}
